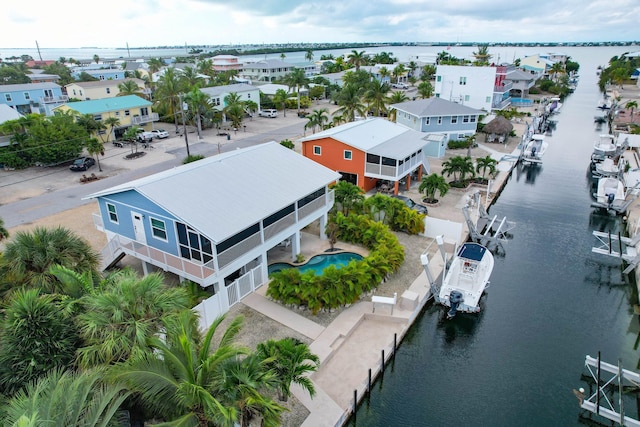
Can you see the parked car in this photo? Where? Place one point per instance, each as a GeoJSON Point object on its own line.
{"type": "Point", "coordinates": [400, 86]}
{"type": "Point", "coordinates": [268, 113]}
{"type": "Point", "coordinates": [413, 205]}
{"type": "Point", "coordinates": [144, 136]}
{"type": "Point", "coordinates": [160, 133]}
{"type": "Point", "coordinates": [82, 164]}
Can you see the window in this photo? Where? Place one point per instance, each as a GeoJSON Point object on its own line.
{"type": "Point", "coordinates": [437, 95]}
{"type": "Point", "coordinates": [317, 150]}
{"type": "Point", "coordinates": [74, 92]}
{"type": "Point", "coordinates": [463, 81]}
{"type": "Point", "coordinates": [465, 119]}
{"type": "Point", "coordinates": [466, 98]}
{"type": "Point", "coordinates": [348, 155]}
{"type": "Point", "coordinates": [7, 96]}
{"type": "Point", "coordinates": [438, 78]}
{"type": "Point", "coordinates": [158, 229]}
{"type": "Point", "coordinates": [488, 99]}
{"type": "Point", "coordinates": [27, 96]}
{"type": "Point", "coordinates": [81, 92]}
{"type": "Point", "coordinates": [113, 214]}
{"type": "Point", "coordinates": [473, 119]}
{"type": "Point", "coordinates": [193, 245]}
{"type": "Point", "coordinates": [108, 90]}
{"type": "Point", "coordinates": [461, 136]}
{"type": "Point", "coordinates": [97, 117]}
{"type": "Point", "coordinates": [117, 113]}
{"type": "Point", "coordinates": [454, 120]}
{"type": "Point", "coordinates": [427, 121]}
{"type": "Point", "coordinates": [127, 112]}
{"type": "Point", "coordinates": [439, 120]}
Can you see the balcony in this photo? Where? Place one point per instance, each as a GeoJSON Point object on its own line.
{"type": "Point", "coordinates": [54, 99]}
{"type": "Point", "coordinates": [502, 104]}
{"type": "Point", "coordinates": [505, 87]}
{"type": "Point", "coordinates": [392, 173]}
{"type": "Point", "coordinates": [139, 120]}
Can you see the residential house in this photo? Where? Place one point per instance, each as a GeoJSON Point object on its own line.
{"type": "Point", "coordinates": [28, 98]}
{"type": "Point", "coordinates": [367, 152]}
{"type": "Point", "coordinates": [217, 94]}
{"type": "Point", "coordinates": [310, 68]}
{"type": "Point", "coordinates": [521, 81]}
{"type": "Point", "coordinates": [101, 71]}
{"type": "Point", "coordinates": [101, 89]}
{"type": "Point", "coordinates": [37, 76]}
{"type": "Point", "coordinates": [130, 110]}
{"type": "Point", "coordinates": [217, 235]}
{"type": "Point", "coordinates": [483, 88]}
{"type": "Point", "coordinates": [536, 65]}
{"type": "Point", "coordinates": [438, 116]}
{"type": "Point", "coordinates": [267, 70]}
{"type": "Point", "coordinates": [7, 113]}
{"type": "Point", "coordinates": [226, 63]}
{"type": "Point", "coordinates": [34, 63]}
{"type": "Point", "coordinates": [373, 70]}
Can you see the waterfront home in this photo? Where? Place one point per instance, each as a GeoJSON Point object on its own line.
{"type": "Point", "coordinates": [213, 221]}
{"type": "Point", "coordinates": [226, 63]}
{"type": "Point", "coordinates": [373, 70]}
{"type": "Point", "coordinates": [217, 94]}
{"type": "Point", "coordinates": [483, 88]}
{"type": "Point", "coordinates": [101, 89]}
{"type": "Point", "coordinates": [368, 152]}
{"type": "Point", "coordinates": [267, 70]}
{"type": "Point", "coordinates": [438, 116]}
{"type": "Point", "coordinates": [37, 76]}
{"type": "Point", "coordinates": [521, 81]}
{"type": "Point", "coordinates": [310, 68]}
{"type": "Point", "coordinates": [130, 110]}
{"type": "Point", "coordinates": [37, 98]}
{"type": "Point", "coordinates": [101, 71]}
{"type": "Point", "coordinates": [536, 64]}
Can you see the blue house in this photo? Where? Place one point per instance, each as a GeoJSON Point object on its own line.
{"type": "Point", "coordinates": [213, 221]}
{"type": "Point", "coordinates": [438, 116]}
{"type": "Point", "coordinates": [33, 98]}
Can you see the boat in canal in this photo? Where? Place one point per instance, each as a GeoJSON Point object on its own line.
{"type": "Point", "coordinates": [466, 279]}
{"type": "Point", "coordinates": [534, 149]}
{"type": "Point", "coordinates": [606, 168]}
{"type": "Point", "coordinates": [605, 147]}
{"type": "Point", "coordinates": [611, 194]}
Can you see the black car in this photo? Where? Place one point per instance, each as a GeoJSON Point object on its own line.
{"type": "Point", "coordinates": [82, 164]}
{"type": "Point", "coordinates": [413, 205]}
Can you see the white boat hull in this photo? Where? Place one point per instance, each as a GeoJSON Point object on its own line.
{"type": "Point", "coordinates": [469, 275]}
{"type": "Point", "coordinates": [535, 149]}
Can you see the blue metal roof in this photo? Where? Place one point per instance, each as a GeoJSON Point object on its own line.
{"type": "Point", "coordinates": [117, 103]}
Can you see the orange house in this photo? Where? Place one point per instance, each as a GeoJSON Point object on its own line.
{"type": "Point", "coordinates": [370, 153]}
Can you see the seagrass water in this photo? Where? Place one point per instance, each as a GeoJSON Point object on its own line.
{"type": "Point", "coordinates": [551, 302]}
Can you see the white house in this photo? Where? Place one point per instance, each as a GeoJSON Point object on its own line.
{"type": "Point", "coordinates": [218, 93]}
{"type": "Point", "coordinates": [482, 88]}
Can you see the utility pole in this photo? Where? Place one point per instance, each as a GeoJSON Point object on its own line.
{"type": "Point", "coordinates": [184, 126]}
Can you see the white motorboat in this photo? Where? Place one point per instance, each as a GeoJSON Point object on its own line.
{"type": "Point", "coordinates": [606, 168]}
{"type": "Point", "coordinates": [604, 147]}
{"type": "Point", "coordinates": [554, 106]}
{"type": "Point", "coordinates": [611, 193]}
{"type": "Point", "coordinates": [535, 149]}
{"type": "Point", "coordinates": [466, 279]}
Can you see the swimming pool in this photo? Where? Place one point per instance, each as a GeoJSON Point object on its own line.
{"type": "Point", "coordinates": [318, 263]}
{"type": "Point", "coordinates": [523, 102]}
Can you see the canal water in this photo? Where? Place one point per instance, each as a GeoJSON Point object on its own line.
{"type": "Point", "coordinates": [551, 302]}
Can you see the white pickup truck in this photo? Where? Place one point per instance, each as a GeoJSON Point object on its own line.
{"type": "Point", "coordinates": [144, 136]}
{"type": "Point", "coordinates": [400, 86]}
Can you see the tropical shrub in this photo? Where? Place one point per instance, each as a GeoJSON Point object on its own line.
{"type": "Point", "coordinates": [338, 287]}
{"type": "Point", "coordinates": [192, 158]}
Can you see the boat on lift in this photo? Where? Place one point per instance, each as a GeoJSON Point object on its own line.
{"type": "Point", "coordinates": [534, 149]}
{"type": "Point", "coordinates": [606, 168]}
{"type": "Point", "coordinates": [605, 147]}
{"type": "Point", "coordinates": [554, 106]}
{"type": "Point", "coordinates": [611, 194]}
{"type": "Point", "coordinates": [466, 279]}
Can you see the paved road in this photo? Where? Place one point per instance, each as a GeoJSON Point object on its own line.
{"type": "Point", "coordinates": [30, 209]}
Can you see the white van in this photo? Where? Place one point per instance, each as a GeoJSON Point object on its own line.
{"type": "Point", "coordinates": [268, 113]}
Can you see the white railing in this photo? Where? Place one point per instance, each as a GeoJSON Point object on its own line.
{"type": "Point", "coordinates": [311, 207]}
{"type": "Point", "coordinates": [279, 225]}
{"type": "Point", "coordinates": [239, 249]}
{"type": "Point", "coordinates": [244, 285]}
{"type": "Point", "coordinates": [137, 120]}
{"type": "Point", "coordinates": [183, 267]}
{"type": "Point", "coordinates": [97, 221]}
{"type": "Point", "coordinates": [54, 99]}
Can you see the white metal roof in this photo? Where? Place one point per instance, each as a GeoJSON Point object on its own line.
{"type": "Point", "coordinates": [224, 194]}
{"type": "Point", "coordinates": [376, 136]}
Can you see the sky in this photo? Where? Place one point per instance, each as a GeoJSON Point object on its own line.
{"type": "Point", "coordinates": [146, 23]}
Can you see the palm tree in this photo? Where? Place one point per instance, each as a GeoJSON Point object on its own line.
{"type": "Point", "coordinates": [96, 58]}
{"type": "Point", "coordinates": [191, 78]}
{"type": "Point", "coordinates": [412, 67]}
{"type": "Point", "coordinates": [129, 87]}
{"type": "Point", "coordinates": [482, 55]}
{"type": "Point", "coordinates": [37, 336]}
{"type": "Point", "coordinates": [234, 109]}
{"type": "Point", "coordinates": [297, 79]}
{"type": "Point", "coordinates": [251, 107]}
{"type": "Point", "coordinates": [95, 148]}
{"type": "Point", "coordinates": [398, 71]}
{"type": "Point", "coordinates": [396, 98]}
{"type": "Point", "coordinates": [356, 59]}
{"type": "Point", "coordinates": [486, 163]}
{"type": "Point", "coordinates": [384, 72]}
{"type": "Point", "coordinates": [347, 196]}
{"type": "Point", "coordinates": [427, 73]}
{"type": "Point", "coordinates": [155, 64]}
{"type": "Point", "coordinates": [459, 167]}
{"type": "Point", "coordinates": [175, 381]}
{"type": "Point", "coordinates": [317, 118]}
{"type": "Point", "coordinates": [112, 122]}
{"type": "Point", "coordinates": [349, 100]}
{"type": "Point", "coordinates": [309, 55]}
{"type": "Point", "coordinates": [280, 99]}
{"type": "Point", "coordinates": [242, 385]}
{"type": "Point", "coordinates": [117, 321]}
{"type": "Point", "coordinates": [470, 140]}
{"type": "Point", "coordinates": [631, 105]}
{"type": "Point", "coordinates": [282, 56]}
{"type": "Point", "coordinates": [205, 66]}
{"type": "Point", "coordinates": [198, 102]}
{"type": "Point", "coordinates": [29, 256]}
{"type": "Point", "coordinates": [168, 93]}
{"type": "Point", "coordinates": [556, 69]}
{"type": "Point", "coordinates": [376, 96]}
{"type": "Point", "coordinates": [432, 183]}
{"type": "Point", "coordinates": [291, 360]}
{"type": "Point", "coordinates": [425, 90]}
{"type": "Point", "coordinates": [64, 398]}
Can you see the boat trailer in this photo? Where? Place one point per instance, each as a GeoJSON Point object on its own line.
{"type": "Point", "coordinates": [487, 230]}
{"type": "Point", "coordinates": [611, 383]}
{"type": "Point", "coordinates": [618, 246]}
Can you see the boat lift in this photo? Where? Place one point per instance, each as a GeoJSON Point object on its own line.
{"type": "Point", "coordinates": [487, 230]}
{"type": "Point", "coordinates": [632, 195]}
{"type": "Point", "coordinates": [618, 246]}
{"type": "Point", "coordinates": [611, 381]}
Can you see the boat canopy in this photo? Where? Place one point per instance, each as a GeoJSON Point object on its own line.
{"type": "Point", "coordinates": [472, 251]}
